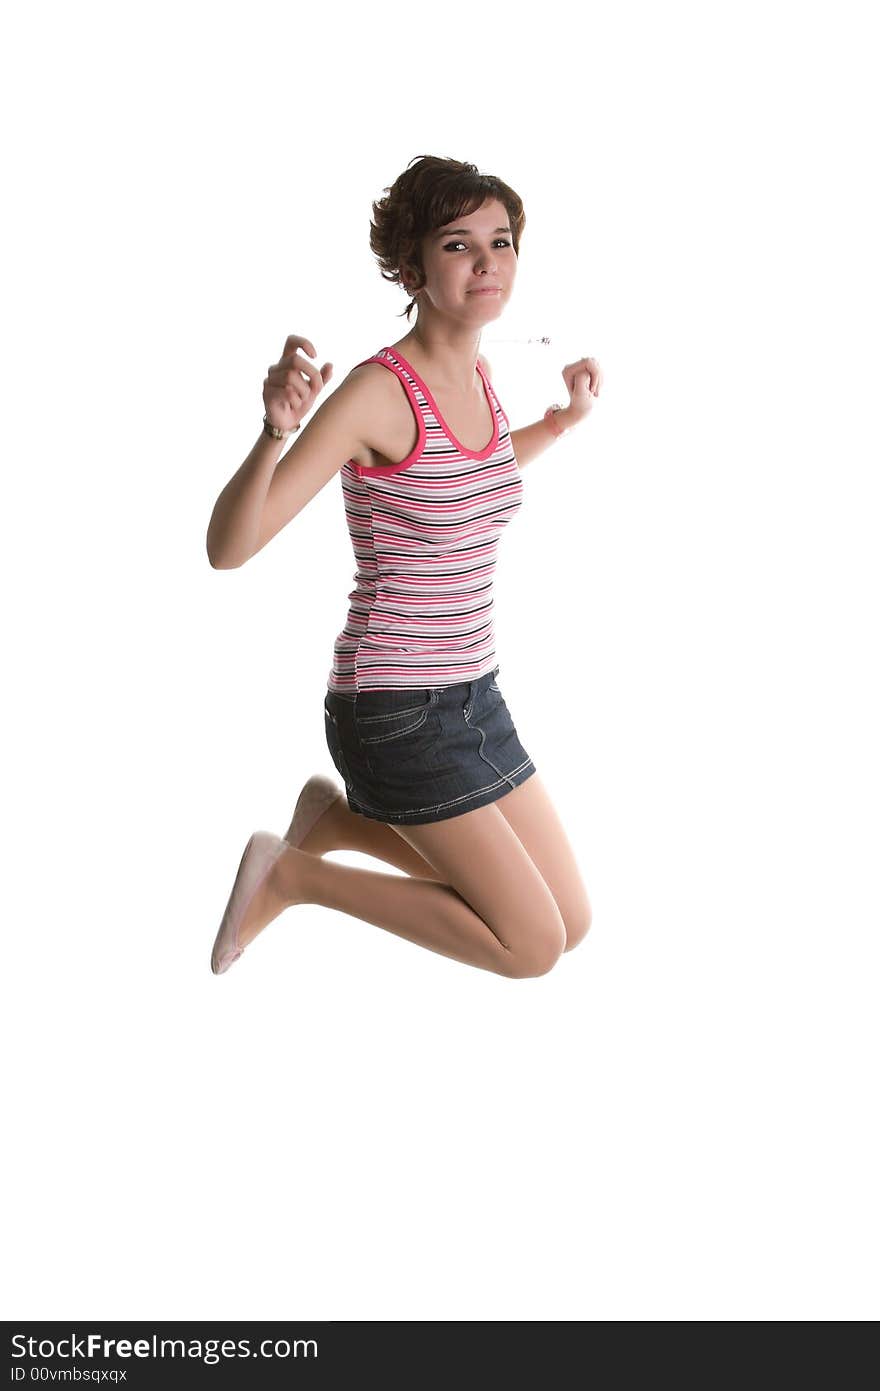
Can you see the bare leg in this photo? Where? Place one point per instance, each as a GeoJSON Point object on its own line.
{"type": "Point", "coordinates": [529, 810]}
{"type": "Point", "coordinates": [342, 829]}
{"type": "Point", "coordinates": [494, 911]}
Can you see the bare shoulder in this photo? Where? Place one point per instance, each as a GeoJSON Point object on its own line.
{"type": "Point", "coordinates": [366, 419]}
{"type": "Point", "coordinates": [386, 426]}
{"type": "Point", "coordinates": [364, 381]}
{"type": "Point", "coordinates": [355, 412]}
{"type": "Point", "coordinates": [337, 431]}
{"type": "Point", "coordinates": [372, 379]}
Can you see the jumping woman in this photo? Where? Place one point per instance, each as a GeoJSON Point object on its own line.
{"type": "Point", "coordinates": [436, 781]}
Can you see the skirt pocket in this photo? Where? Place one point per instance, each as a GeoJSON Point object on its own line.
{"type": "Point", "coordinates": [384, 729]}
{"type": "Point", "coordinates": [396, 731]}
{"type": "Point", "coordinates": [384, 716]}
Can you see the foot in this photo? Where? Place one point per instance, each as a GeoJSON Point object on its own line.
{"type": "Point", "coordinates": [314, 825]}
{"type": "Point", "coordinates": [282, 888]}
{"type": "Point", "coordinates": [260, 856]}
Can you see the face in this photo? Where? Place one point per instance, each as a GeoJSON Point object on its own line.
{"type": "Point", "coordinates": [460, 263]}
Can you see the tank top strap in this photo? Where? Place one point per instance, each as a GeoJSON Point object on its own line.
{"type": "Point", "coordinates": [388, 359]}
{"type": "Point", "coordinates": [489, 387]}
{"type": "Point", "coordinates": [493, 397]}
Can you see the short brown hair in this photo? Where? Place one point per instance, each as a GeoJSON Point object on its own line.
{"type": "Point", "coordinates": [429, 195]}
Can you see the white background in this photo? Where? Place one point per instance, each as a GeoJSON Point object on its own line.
{"type": "Point", "coordinates": [676, 1122]}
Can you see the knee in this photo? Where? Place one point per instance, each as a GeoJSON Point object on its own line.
{"type": "Point", "coordinates": [539, 958]}
{"type": "Point", "coordinates": [577, 926]}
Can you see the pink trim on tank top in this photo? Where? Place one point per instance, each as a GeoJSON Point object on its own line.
{"type": "Point", "coordinates": [418, 448]}
{"type": "Point", "coordinates": [468, 453]}
{"type": "Point", "coordinates": [485, 453]}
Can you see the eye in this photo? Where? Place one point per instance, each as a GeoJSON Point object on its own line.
{"type": "Point", "coordinates": [451, 244]}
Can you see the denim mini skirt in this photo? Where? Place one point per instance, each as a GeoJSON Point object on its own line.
{"type": "Point", "coordinates": [426, 753]}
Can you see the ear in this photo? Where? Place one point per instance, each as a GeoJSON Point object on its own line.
{"type": "Point", "coordinates": [412, 275]}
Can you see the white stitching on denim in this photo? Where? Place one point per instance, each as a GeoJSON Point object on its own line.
{"type": "Point", "coordinates": [482, 744]}
{"type": "Point", "coordinates": [408, 710]}
{"type": "Point", "coordinates": [395, 734]}
{"type": "Point", "coordinates": [441, 806]}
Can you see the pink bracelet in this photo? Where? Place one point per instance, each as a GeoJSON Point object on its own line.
{"type": "Point", "coordinates": [550, 417]}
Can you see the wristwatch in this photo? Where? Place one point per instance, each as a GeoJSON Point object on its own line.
{"type": "Point", "coordinates": [274, 433]}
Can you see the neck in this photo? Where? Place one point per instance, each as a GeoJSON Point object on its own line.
{"type": "Point", "coordinates": [449, 356]}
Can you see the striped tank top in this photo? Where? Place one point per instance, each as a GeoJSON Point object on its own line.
{"type": "Point", "coordinates": [425, 534]}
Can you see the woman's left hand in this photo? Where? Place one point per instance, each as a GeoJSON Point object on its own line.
{"type": "Point", "coordinates": [583, 380]}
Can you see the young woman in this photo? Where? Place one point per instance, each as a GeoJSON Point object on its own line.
{"type": "Point", "coordinates": [436, 781]}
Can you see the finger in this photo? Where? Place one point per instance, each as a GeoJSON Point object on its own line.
{"type": "Point", "coordinates": [297, 359]}
{"type": "Point", "coordinates": [595, 373]}
{"type": "Point", "coordinates": [297, 363]}
{"type": "Point", "coordinates": [298, 368]}
{"type": "Point", "coordinates": [294, 341]}
{"type": "Point", "coordinates": [311, 373]}
{"type": "Point", "coordinates": [292, 360]}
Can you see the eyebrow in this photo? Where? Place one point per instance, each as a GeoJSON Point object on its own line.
{"type": "Point", "coordinates": [464, 232]}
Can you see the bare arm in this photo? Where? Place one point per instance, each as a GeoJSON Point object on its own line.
{"type": "Point", "coordinates": [583, 380]}
{"type": "Point", "coordinates": [332, 436]}
{"type": "Point", "coordinates": [289, 391]}
{"type": "Point", "coordinates": [531, 440]}
{"type": "Point", "coordinates": [235, 520]}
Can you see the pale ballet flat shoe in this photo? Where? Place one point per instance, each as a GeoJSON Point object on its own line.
{"type": "Point", "coordinates": [313, 801]}
{"type": "Point", "coordinates": [260, 854]}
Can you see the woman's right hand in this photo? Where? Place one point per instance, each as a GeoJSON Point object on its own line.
{"type": "Point", "coordinates": [293, 384]}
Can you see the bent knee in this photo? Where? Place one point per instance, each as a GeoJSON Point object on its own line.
{"type": "Point", "coordinates": [537, 959]}
{"type": "Point", "coordinates": [577, 926]}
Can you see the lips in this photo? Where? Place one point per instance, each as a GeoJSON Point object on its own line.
{"type": "Point", "coordinates": [485, 290]}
